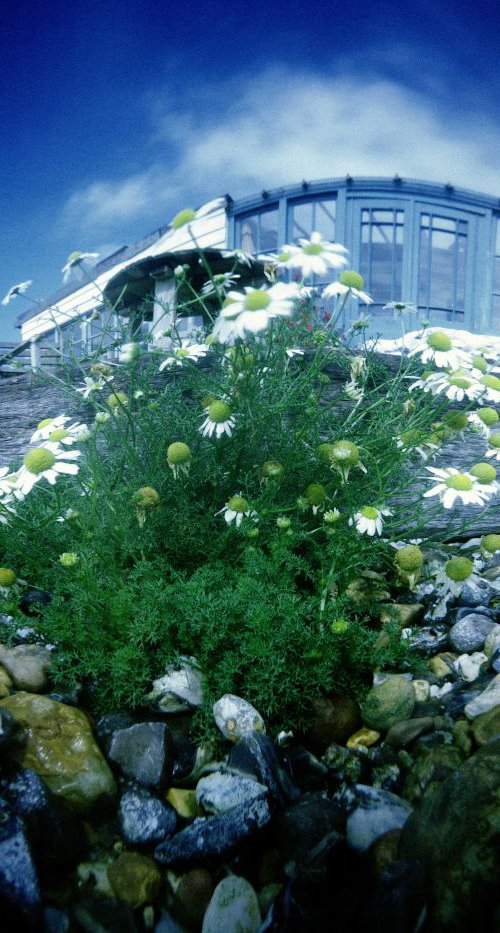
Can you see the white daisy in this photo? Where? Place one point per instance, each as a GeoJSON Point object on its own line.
{"type": "Point", "coordinates": [44, 428]}
{"type": "Point", "coordinates": [187, 351]}
{"type": "Point", "coordinates": [252, 310]}
{"type": "Point", "coordinates": [454, 485]}
{"type": "Point", "coordinates": [354, 391]}
{"type": "Point", "coordinates": [343, 288]}
{"type": "Point", "coordinates": [236, 509]}
{"type": "Point", "coordinates": [129, 352]}
{"type": "Point", "coordinates": [220, 284]}
{"type": "Point", "coordinates": [493, 451]}
{"type": "Point", "coordinates": [491, 387]}
{"type": "Point", "coordinates": [314, 256]}
{"type": "Point", "coordinates": [14, 290]}
{"type": "Point", "coordinates": [75, 260]}
{"type": "Point", "coordinates": [400, 308]}
{"type": "Point", "coordinates": [46, 462]}
{"type": "Point", "coordinates": [93, 385]}
{"type": "Point", "coordinates": [456, 572]}
{"type": "Point", "coordinates": [8, 485]}
{"type": "Point", "coordinates": [293, 351]}
{"type": "Point", "coordinates": [415, 440]}
{"type": "Point", "coordinates": [455, 385]}
{"type": "Point", "coordinates": [486, 477]}
{"type": "Point", "coordinates": [220, 420]}
{"type": "Point", "coordinates": [483, 421]}
{"type": "Point", "coordinates": [369, 520]}
{"type": "Point", "coordinates": [437, 347]}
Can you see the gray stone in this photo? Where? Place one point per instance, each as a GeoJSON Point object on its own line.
{"type": "Point", "coordinates": [28, 665]}
{"type": "Point", "coordinates": [428, 640]}
{"type": "Point", "coordinates": [214, 836]}
{"type": "Point", "coordinates": [218, 792]}
{"type": "Point", "coordinates": [375, 812]}
{"type": "Point", "coordinates": [145, 819]}
{"type": "Point", "coordinates": [234, 908]}
{"type": "Point", "coordinates": [470, 632]}
{"type": "Point", "coordinates": [143, 752]}
{"type": "Point", "coordinates": [180, 688]}
{"type": "Point", "coordinates": [476, 594]}
{"type": "Point", "coordinates": [236, 717]}
{"type": "Point", "coordinates": [481, 610]}
{"type": "Point", "coordinates": [486, 700]}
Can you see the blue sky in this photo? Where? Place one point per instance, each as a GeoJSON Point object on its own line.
{"type": "Point", "coordinates": [115, 116]}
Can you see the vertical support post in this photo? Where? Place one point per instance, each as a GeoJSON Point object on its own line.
{"type": "Point", "coordinates": [163, 312]}
{"type": "Point", "coordinates": [35, 355]}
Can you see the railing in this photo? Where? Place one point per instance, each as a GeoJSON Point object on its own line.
{"type": "Point", "coordinates": [28, 355]}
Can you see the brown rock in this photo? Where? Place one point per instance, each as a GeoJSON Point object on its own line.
{"type": "Point", "coordinates": [334, 720]}
{"type": "Point", "coordinates": [405, 614]}
{"type": "Point", "coordinates": [192, 897]}
{"type": "Point", "coordinates": [59, 746]}
{"type": "Point", "coordinates": [403, 733]}
{"type": "Point", "coordinates": [135, 879]}
{"type": "Point", "coordinates": [364, 737]}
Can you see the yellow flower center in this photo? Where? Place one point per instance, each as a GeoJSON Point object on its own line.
{"type": "Point", "coordinates": [352, 279]}
{"type": "Point", "coordinates": [38, 460]}
{"type": "Point", "coordinates": [238, 504]}
{"type": "Point", "coordinates": [117, 400]}
{"type": "Point", "coordinates": [439, 341]}
{"type": "Point", "coordinates": [182, 218]}
{"type": "Point", "coordinates": [458, 568]}
{"type": "Point", "coordinates": [484, 472]}
{"type": "Point", "coordinates": [219, 412]}
{"type": "Point", "coordinates": [491, 543]}
{"type": "Point", "coordinates": [7, 577]}
{"type": "Point", "coordinates": [146, 498]}
{"type": "Point", "coordinates": [315, 493]}
{"type": "Point", "coordinates": [178, 453]}
{"type": "Point", "coordinates": [460, 482]}
{"type": "Point", "coordinates": [494, 440]}
{"type": "Point", "coordinates": [313, 249]}
{"type": "Point", "coordinates": [491, 382]}
{"type": "Point", "coordinates": [344, 453]}
{"type": "Point", "coordinates": [488, 416]}
{"type": "Point", "coordinates": [409, 558]}
{"type": "Point", "coordinates": [44, 423]}
{"type": "Point", "coordinates": [257, 300]}
{"type": "Point", "coordinates": [58, 434]}
{"type": "Point", "coordinates": [370, 513]}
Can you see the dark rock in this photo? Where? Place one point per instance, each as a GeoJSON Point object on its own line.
{"type": "Point", "coordinates": [307, 772]}
{"type": "Point", "coordinates": [302, 826]}
{"type": "Point", "coordinates": [104, 915]}
{"type": "Point", "coordinates": [19, 890]}
{"type": "Point", "coordinates": [398, 900]}
{"type": "Point", "coordinates": [487, 611]}
{"type": "Point", "coordinates": [167, 924]}
{"type": "Point", "coordinates": [55, 921]}
{"type": "Point", "coordinates": [257, 755]}
{"type": "Point", "coordinates": [454, 834]}
{"type": "Point", "coordinates": [7, 727]}
{"type": "Point", "coordinates": [476, 594]}
{"type": "Point", "coordinates": [334, 720]}
{"type": "Point", "coordinates": [428, 640]}
{"type": "Point", "coordinates": [430, 770]}
{"type": "Point", "coordinates": [215, 836]}
{"type": "Point", "coordinates": [135, 879]}
{"type": "Point", "coordinates": [457, 699]}
{"type": "Point", "coordinates": [56, 835]}
{"type": "Point", "coordinates": [143, 752]}
{"type": "Point", "coordinates": [184, 755]}
{"type": "Point", "coordinates": [144, 819]}
{"type": "Point", "coordinates": [346, 765]}
{"type": "Point", "coordinates": [33, 602]}
{"type": "Point", "coordinates": [106, 726]}
{"type": "Point", "coordinates": [404, 733]}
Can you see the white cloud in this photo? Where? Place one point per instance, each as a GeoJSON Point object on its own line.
{"type": "Point", "coordinates": [281, 126]}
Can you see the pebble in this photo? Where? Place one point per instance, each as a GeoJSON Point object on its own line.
{"type": "Point", "coordinates": [485, 701]}
{"type": "Point", "coordinates": [28, 666]}
{"type": "Point", "coordinates": [470, 632]}
{"type": "Point", "coordinates": [135, 879]}
{"type": "Point", "coordinates": [180, 688]}
{"type": "Point", "coordinates": [19, 889]}
{"type": "Point", "coordinates": [388, 703]}
{"type": "Point", "coordinates": [234, 908]}
{"type": "Point", "coordinates": [363, 737]}
{"type": "Point", "coordinates": [374, 813]}
{"type": "Point", "coordinates": [218, 792]}
{"type": "Point", "coordinates": [214, 836]}
{"type": "Point", "coordinates": [183, 802]}
{"type": "Point", "coordinates": [236, 717]}
{"type": "Point", "coordinates": [469, 665]}
{"type": "Point", "coordinates": [145, 819]}
{"type": "Point", "coordinates": [404, 733]}
{"type": "Point", "coordinates": [143, 753]}
{"type": "Point", "coordinates": [428, 640]}
{"type": "Point", "coordinates": [256, 754]}
{"type": "Point", "coordinates": [192, 896]}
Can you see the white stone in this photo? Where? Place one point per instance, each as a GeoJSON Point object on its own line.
{"type": "Point", "coordinates": [422, 690]}
{"type": "Point", "coordinates": [236, 717]}
{"type": "Point", "coordinates": [486, 700]}
{"type": "Point", "coordinates": [218, 792]}
{"type": "Point", "coordinates": [469, 665]}
{"type": "Point", "coordinates": [234, 908]}
{"type": "Point", "coordinates": [376, 812]}
{"type": "Point", "coordinates": [180, 688]}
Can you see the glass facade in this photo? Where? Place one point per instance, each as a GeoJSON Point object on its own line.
{"type": "Point", "coordinates": [381, 253]}
{"type": "Point", "coordinates": [442, 267]}
{"type": "Point", "coordinates": [432, 245]}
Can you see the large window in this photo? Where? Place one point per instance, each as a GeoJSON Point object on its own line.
{"type": "Point", "coordinates": [258, 232]}
{"type": "Point", "coordinates": [381, 254]}
{"type": "Point", "coordinates": [307, 216]}
{"type": "Point", "coordinates": [495, 298]}
{"type": "Point", "coordinates": [442, 266]}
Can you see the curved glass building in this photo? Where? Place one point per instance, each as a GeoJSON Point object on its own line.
{"type": "Point", "coordinates": [435, 246]}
